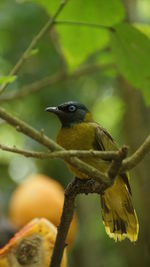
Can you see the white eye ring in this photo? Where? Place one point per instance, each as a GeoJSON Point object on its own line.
{"type": "Point", "coordinates": [72, 108]}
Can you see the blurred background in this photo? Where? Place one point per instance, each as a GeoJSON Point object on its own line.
{"type": "Point", "coordinates": [112, 79]}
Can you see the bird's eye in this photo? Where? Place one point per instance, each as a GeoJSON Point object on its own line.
{"type": "Point", "coordinates": [72, 108]}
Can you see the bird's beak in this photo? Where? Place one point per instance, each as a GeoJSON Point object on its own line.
{"type": "Point", "coordinates": [54, 110]}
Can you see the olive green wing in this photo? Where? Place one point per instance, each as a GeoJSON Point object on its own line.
{"type": "Point", "coordinates": [105, 142]}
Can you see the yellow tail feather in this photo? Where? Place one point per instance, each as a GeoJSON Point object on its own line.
{"type": "Point", "coordinates": [119, 216]}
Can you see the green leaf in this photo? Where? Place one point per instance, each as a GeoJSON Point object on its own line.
{"type": "Point", "coordinates": [104, 12]}
{"type": "Point", "coordinates": [131, 49]}
{"type": "Point", "coordinates": [7, 79]}
{"type": "Point", "coordinates": [81, 43]}
{"type": "Point", "coordinates": [78, 42]}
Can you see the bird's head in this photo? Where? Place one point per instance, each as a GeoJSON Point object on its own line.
{"type": "Point", "coordinates": [70, 113]}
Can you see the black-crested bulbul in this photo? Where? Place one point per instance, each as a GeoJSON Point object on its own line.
{"type": "Point", "coordinates": [80, 132]}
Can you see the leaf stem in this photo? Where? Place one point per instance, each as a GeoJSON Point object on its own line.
{"type": "Point", "coordinates": [84, 24]}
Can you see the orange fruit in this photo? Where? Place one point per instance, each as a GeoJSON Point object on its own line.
{"type": "Point", "coordinates": [31, 246]}
{"type": "Point", "coordinates": [39, 196]}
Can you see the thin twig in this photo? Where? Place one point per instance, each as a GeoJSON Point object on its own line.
{"type": "Point", "coordinates": [34, 42]}
{"type": "Point", "coordinates": [105, 155]}
{"type": "Point", "coordinates": [51, 80]}
{"type": "Point", "coordinates": [33, 87]}
{"type": "Point", "coordinates": [76, 187]}
{"type": "Point", "coordinates": [26, 129]}
{"type": "Point", "coordinates": [137, 157]}
{"type": "Point", "coordinates": [127, 164]}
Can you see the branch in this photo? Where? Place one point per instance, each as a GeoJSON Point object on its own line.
{"type": "Point", "coordinates": [73, 189]}
{"type": "Point", "coordinates": [50, 80]}
{"type": "Point", "coordinates": [126, 164]}
{"type": "Point", "coordinates": [76, 187]}
{"type": "Point", "coordinates": [26, 129]}
{"type": "Point", "coordinates": [137, 157]}
{"type": "Point", "coordinates": [33, 87]}
{"type": "Point", "coordinates": [117, 163]}
{"type": "Point", "coordinates": [64, 154]}
{"type": "Point", "coordinates": [34, 42]}
{"type": "Point", "coordinates": [89, 186]}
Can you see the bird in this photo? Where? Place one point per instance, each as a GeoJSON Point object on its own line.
{"type": "Point", "coordinates": [79, 131]}
{"type": "Point", "coordinates": [32, 246]}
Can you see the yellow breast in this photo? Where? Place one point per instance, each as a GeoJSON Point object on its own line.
{"type": "Point", "coordinates": [80, 136]}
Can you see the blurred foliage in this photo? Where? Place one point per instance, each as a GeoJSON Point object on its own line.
{"type": "Point", "coordinates": [76, 42]}
{"type": "Point", "coordinates": [124, 52]}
